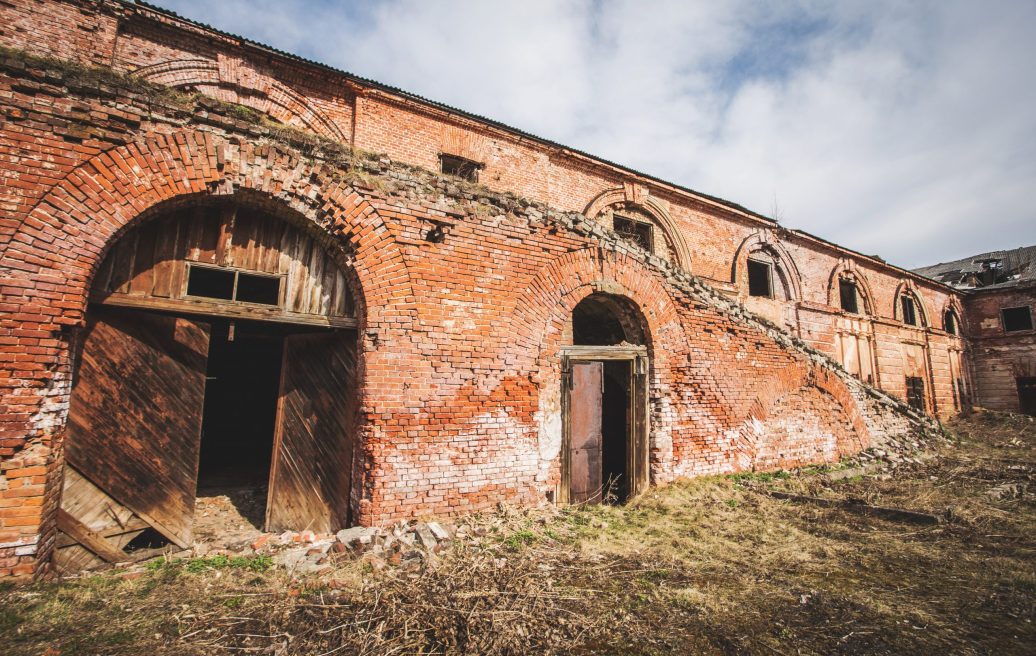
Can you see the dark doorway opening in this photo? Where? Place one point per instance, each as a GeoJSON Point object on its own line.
{"type": "Point", "coordinates": [241, 387]}
{"type": "Point", "coordinates": [1027, 395]}
{"type": "Point", "coordinates": [238, 420]}
{"type": "Point", "coordinates": [616, 430]}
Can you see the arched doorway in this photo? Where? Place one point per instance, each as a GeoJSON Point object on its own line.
{"type": "Point", "coordinates": [604, 402]}
{"type": "Point", "coordinates": [219, 352]}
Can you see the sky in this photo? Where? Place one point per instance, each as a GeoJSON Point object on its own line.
{"type": "Point", "coordinates": [901, 129]}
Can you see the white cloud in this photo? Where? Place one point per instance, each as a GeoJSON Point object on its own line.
{"type": "Point", "coordinates": [902, 129]}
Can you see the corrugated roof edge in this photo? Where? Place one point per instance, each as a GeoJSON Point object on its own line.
{"type": "Point", "coordinates": [137, 5]}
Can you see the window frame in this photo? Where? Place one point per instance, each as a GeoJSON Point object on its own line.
{"type": "Point", "coordinates": [916, 393]}
{"type": "Point", "coordinates": [233, 296]}
{"type": "Point", "coordinates": [463, 168]}
{"type": "Point", "coordinates": [646, 226]}
{"type": "Point", "coordinates": [749, 263]}
{"type": "Point", "coordinates": [1003, 318]}
{"type": "Point", "coordinates": [849, 282]}
{"type": "Point", "coordinates": [904, 299]}
{"type": "Point", "coordinates": [951, 322]}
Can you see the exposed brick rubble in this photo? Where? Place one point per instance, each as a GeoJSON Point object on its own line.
{"type": "Point", "coordinates": [408, 545]}
{"type": "Point", "coordinates": [466, 290]}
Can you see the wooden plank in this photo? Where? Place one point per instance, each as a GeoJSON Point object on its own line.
{"type": "Point", "coordinates": [79, 532]}
{"type": "Point", "coordinates": [211, 308]}
{"type": "Point", "coordinates": [585, 417]}
{"type": "Point", "coordinates": [135, 525]}
{"type": "Point", "coordinates": [142, 278]}
{"type": "Point", "coordinates": [135, 415]}
{"type": "Point", "coordinates": [311, 473]}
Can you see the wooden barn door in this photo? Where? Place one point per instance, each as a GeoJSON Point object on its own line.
{"type": "Point", "coordinates": [586, 434]}
{"type": "Point", "coordinates": [311, 472]}
{"type": "Point", "coordinates": [131, 455]}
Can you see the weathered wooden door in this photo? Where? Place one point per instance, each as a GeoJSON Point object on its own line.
{"type": "Point", "coordinates": [313, 448]}
{"type": "Point", "coordinates": [586, 436]}
{"type": "Point", "coordinates": [134, 432]}
{"type": "Point", "coordinates": [1027, 395]}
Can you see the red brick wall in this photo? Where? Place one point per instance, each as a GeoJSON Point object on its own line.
{"type": "Point", "coordinates": [460, 338]}
{"type": "Point", "coordinates": [999, 357]}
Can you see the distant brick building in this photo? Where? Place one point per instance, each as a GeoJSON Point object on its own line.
{"type": "Point", "coordinates": [999, 294]}
{"type": "Point", "coordinates": [223, 264]}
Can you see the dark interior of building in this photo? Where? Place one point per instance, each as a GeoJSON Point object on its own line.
{"type": "Point", "coordinates": [615, 428]}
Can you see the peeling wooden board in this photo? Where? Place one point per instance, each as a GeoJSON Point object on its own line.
{"type": "Point", "coordinates": [310, 477]}
{"type": "Point", "coordinates": [78, 531]}
{"type": "Point", "coordinates": [586, 431]}
{"type": "Point", "coordinates": [136, 411]}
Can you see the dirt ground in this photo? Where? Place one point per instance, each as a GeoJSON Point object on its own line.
{"type": "Point", "coordinates": [712, 566]}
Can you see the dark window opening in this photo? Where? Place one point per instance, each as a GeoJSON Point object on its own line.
{"type": "Point", "coordinates": [909, 310]}
{"type": "Point", "coordinates": [915, 392]}
{"type": "Point", "coordinates": [848, 296]}
{"type": "Point", "coordinates": [1017, 318]}
{"type": "Point", "coordinates": [231, 285]}
{"type": "Point", "coordinates": [265, 290]}
{"type": "Point", "coordinates": [760, 279]}
{"type": "Point", "coordinates": [637, 232]}
{"type": "Point", "coordinates": [460, 167]}
{"type": "Point", "coordinates": [1027, 395]}
{"type": "Point", "coordinates": [950, 322]}
{"type": "Point", "coordinates": [598, 321]}
{"type": "Point", "coordinates": [210, 283]}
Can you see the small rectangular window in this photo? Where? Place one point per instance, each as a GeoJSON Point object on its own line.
{"type": "Point", "coordinates": [847, 294]}
{"type": "Point", "coordinates": [950, 322]}
{"type": "Point", "coordinates": [638, 232]}
{"type": "Point", "coordinates": [1017, 318]}
{"type": "Point", "coordinates": [210, 283]}
{"type": "Point", "coordinates": [915, 392]}
{"type": "Point", "coordinates": [265, 290]}
{"type": "Point", "coordinates": [460, 167]}
{"type": "Point", "coordinates": [909, 311]}
{"type": "Point", "coordinates": [760, 281]}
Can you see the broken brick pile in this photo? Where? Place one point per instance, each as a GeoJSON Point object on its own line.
{"type": "Point", "coordinates": [409, 545]}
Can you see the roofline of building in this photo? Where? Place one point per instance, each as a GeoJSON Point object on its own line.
{"type": "Point", "coordinates": [143, 8]}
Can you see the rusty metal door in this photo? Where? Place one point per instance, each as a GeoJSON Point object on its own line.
{"type": "Point", "coordinates": [586, 437]}
{"type": "Point", "coordinates": [134, 432]}
{"type": "Point", "coordinates": [311, 473]}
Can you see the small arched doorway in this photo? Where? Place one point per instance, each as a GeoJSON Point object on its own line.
{"type": "Point", "coordinates": [604, 403]}
{"type": "Point", "coordinates": [219, 353]}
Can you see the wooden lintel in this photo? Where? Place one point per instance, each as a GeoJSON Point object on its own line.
{"type": "Point", "coordinates": [623, 352]}
{"type": "Point", "coordinates": [233, 311]}
{"type": "Point", "coordinates": [82, 534]}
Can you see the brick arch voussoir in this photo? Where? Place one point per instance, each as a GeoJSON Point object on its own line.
{"type": "Point", "coordinates": [71, 228]}
{"type": "Point", "coordinates": [546, 305]}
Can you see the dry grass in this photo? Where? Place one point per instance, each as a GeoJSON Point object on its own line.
{"type": "Point", "coordinates": [713, 565]}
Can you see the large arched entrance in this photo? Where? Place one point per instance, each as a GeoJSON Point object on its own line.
{"type": "Point", "coordinates": [219, 353]}
{"type": "Point", "coordinates": [604, 402]}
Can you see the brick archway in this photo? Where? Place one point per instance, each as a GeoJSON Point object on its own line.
{"type": "Point", "coordinates": [49, 262]}
{"type": "Point", "coordinates": [540, 326]}
{"type": "Point", "coordinates": [233, 80]}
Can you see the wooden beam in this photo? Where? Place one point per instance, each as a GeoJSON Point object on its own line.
{"type": "Point", "coordinates": [133, 525]}
{"type": "Point", "coordinates": [82, 534]}
{"type": "Point", "coordinates": [234, 311]}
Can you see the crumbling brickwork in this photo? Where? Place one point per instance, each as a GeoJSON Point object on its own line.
{"type": "Point", "coordinates": [1002, 359]}
{"type": "Point", "coordinates": [466, 290]}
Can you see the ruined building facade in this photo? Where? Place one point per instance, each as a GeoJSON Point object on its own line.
{"type": "Point", "coordinates": [217, 258]}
